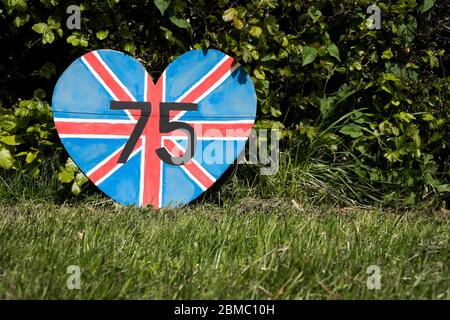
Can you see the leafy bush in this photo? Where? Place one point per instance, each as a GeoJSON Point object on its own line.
{"type": "Point", "coordinates": [375, 101]}
{"type": "Point", "coordinates": [27, 134]}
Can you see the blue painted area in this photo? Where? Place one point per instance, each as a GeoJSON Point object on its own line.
{"type": "Point", "coordinates": [178, 188]}
{"type": "Point", "coordinates": [188, 69]}
{"type": "Point", "coordinates": [128, 70]}
{"type": "Point", "coordinates": [230, 101]}
{"type": "Point", "coordinates": [234, 98]}
{"type": "Point", "coordinates": [78, 94]}
{"type": "Point", "coordinates": [123, 185]}
{"type": "Point", "coordinates": [216, 156]}
{"type": "Point", "coordinates": [89, 152]}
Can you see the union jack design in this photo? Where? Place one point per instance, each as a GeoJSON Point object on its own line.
{"type": "Point", "coordinates": [95, 136]}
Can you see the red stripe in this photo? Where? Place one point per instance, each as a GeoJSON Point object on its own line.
{"type": "Point", "coordinates": [190, 166]}
{"type": "Point", "coordinates": [107, 78]}
{"type": "Point", "coordinates": [152, 165]}
{"type": "Point", "coordinates": [220, 130]}
{"type": "Point", "coordinates": [207, 83]}
{"type": "Point", "coordinates": [110, 164]}
{"type": "Point", "coordinates": [94, 128]}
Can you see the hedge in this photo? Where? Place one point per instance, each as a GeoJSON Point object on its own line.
{"type": "Point", "coordinates": [375, 98]}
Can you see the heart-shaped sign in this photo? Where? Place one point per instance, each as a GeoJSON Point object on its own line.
{"type": "Point", "coordinates": [159, 144]}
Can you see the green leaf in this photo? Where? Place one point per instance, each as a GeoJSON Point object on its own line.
{"type": "Point", "coordinates": [357, 65]}
{"type": "Point", "coordinates": [167, 33]}
{"type": "Point", "coordinates": [389, 77]}
{"type": "Point", "coordinates": [259, 73]}
{"type": "Point", "coordinates": [48, 36]}
{"type": "Point", "coordinates": [19, 5]}
{"type": "Point", "coordinates": [392, 156]}
{"type": "Point", "coordinates": [443, 188]}
{"type": "Point", "coordinates": [387, 54]}
{"type": "Point", "coordinates": [21, 20]}
{"type": "Point", "coordinates": [129, 46]}
{"type": "Point", "coordinates": [39, 94]}
{"type": "Point", "coordinates": [73, 40]}
{"type": "Point", "coordinates": [9, 125]}
{"type": "Point", "coordinates": [31, 156]}
{"type": "Point", "coordinates": [386, 88]}
{"type": "Point", "coordinates": [70, 165]}
{"type": "Point", "coordinates": [325, 106]}
{"type": "Point", "coordinates": [162, 5]}
{"type": "Point", "coordinates": [309, 54]}
{"type": "Point", "coordinates": [39, 27]}
{"type": "Point", "coordinates": [53, 22]}
{"type": "Point", "coordinates": [66, 176]}
{"type": "Point", "coordinates": [229, 14]}
{"type": "Point", "coordinates": [47, 70]}
{"type": "Point", "coordinates": [81, 179]}
{"type": "Point", "coordinates": [275, 112]}
{"type": "Point", "coordinates": [6, 159]}
{"type": "Point", "coordinates": [352, 130]}
{"type": "Point", "coordinates": [314, 13]}
{"type": "Point", "coordinates": [405, 116]}
{"type": "Point", "coordinates": [180, 22]}
{"type": "Point", "coordinates": [102, 35]}
{"type": "Point", "coordinates": [238, 24]}
{"type": "Point", "coordinates": [35, 172]}
{"type": "Point", "coordinates": [427, 5]}
{"type": "Point", "coordinates": [12, 140]}
{"type": "Point", "coordinates": [255, 31]}
{"type": "Point", "coordinates": [408, 30]}
{"type": "Point", "coordinates": [76, 190]}
{"type": "Point", "coordinates": [333, 50]}
{"type": "Point", "coordinates": [84, 42]}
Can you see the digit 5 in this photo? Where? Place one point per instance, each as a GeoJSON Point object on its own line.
{"type": "Point", "coordinates": [165, 126]}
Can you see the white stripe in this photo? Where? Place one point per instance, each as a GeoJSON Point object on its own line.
{"type": "Point", "coordinates": [160, 193]}
{"type": "Point", "coordinates": [104, 85]}
{"type": "Point", "coordinates": [202, 169]}
{"type": "Point", "coordinates": [141, 180]}
{"type": "Point", "coordinates": [101, 163]}
{"type": "Point", "coordinates": [186, 171]}
{"type": "Point", "coordinates": [106, 121]}
{"type": "Point", "coordinates": [220, 121]}
{"type": "Point", "coordinates": [193, 178]}
{"type": "Point", "coordinates": [145, 85]}
{"type": "Point", "coordinates": [93, 136]}
{"type": "Point", "coordinates": [163, 89]}
{"type": "Point", "coordinates": [124, 88]}
{"type": "Point", "coordinates": [205, 138]}
{"type": "Point", "coordinates": [106, 176]}
{"type": "Point", "coordinates": [217, 66]}
{"type": "Point", "coordinates": [218, 83]}
{"type": "Point", "coordinates": [123, 121]}
{"type": "Point", "coordinates": [97, 76]}
{"type": "Point", "coordinates": [163, 99]}
{"type": "Point", "coordinates": [117, 167]}
{"type": "Point", "coordinates": [213, 87]}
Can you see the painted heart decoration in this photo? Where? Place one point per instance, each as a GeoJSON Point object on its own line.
{"type": "Point", "coordinates": [159, 144]}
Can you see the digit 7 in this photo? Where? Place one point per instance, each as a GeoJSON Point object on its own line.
{"type": "Point", "coordinates": [146, 110]}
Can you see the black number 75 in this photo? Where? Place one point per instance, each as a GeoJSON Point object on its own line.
{"type": "Point", "coordinates": [165, 126]}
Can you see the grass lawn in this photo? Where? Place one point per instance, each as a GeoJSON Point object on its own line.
{"type": "Point", "coordinates": [264, 249]}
